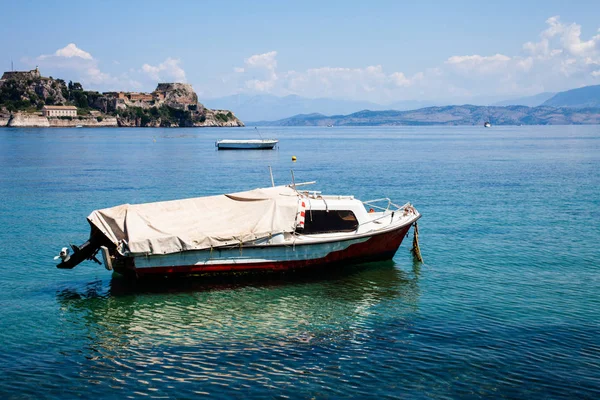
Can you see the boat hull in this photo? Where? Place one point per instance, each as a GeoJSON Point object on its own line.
{"type": "Point", "coordinates": [378, 247]}
{"type": "Point", "coordinates": [246, 145]}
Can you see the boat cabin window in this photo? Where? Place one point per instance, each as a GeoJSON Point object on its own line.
{"type": "Point", "coordinates": [321, 221]}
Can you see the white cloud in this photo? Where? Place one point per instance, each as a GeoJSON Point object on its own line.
{"type": "Point", "coordinates": [97, 76]}
{"type": "Point", "coordinates": [400, 79]}
{"type": "Point", "coordinates": [572, 42]}
{"type": "Point", "coordinates": [562, 56]}
{"type": "Point", "coordinates": [76, 60]}
{"type": "Point", "coordinates": [259, 86]}
{"type": "Point", "coordinates": [69, 51]}
{"type": "Point", "coordinates": [168, 70]}
{"type": "Point", "coordinates": [479, 64]}
{"type": "Point", "coordinates": [260, 74]}
{"type": "Point", "coordinates": [477, 59]}
{"type": "Point", "coordinates": [266, 60]}
{"type": "Point", "coordinates": [561, 38]}
{"type": "Point", "coordinates": [76, 64]}
{"type": "Point", "coordinates": [73, 63]}
{"type": "Point", "coordinates": [559, 60]}
{"type": "Point", "coordinates": [525, 64]}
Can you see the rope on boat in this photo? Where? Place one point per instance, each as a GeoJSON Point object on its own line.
{"type": "Point", "coordinates": [416, 251]}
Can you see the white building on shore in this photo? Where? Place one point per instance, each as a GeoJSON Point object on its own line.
{"type": "Point", "coordinates": [59, 111]}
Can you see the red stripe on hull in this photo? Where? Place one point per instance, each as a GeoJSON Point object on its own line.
{"type": "Point", "coordinates": [377, 248]}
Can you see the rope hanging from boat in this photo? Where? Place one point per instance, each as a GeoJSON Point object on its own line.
{"type": "Point", "coordinates": [416, 251]}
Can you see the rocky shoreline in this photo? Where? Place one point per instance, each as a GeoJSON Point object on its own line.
{"type": "Point", "coordinates": [24, 120]}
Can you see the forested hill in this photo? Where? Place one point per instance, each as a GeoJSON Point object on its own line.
{"type": "Point", "coordinates": [23, 94]}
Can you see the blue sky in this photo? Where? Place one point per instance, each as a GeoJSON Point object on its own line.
{"type": "Point", "coordinates": [380, 51]}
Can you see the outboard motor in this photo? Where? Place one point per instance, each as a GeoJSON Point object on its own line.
{"type": "Point", "coordinates": [63, 255]}
{"type": "Point", "coordinates": [86, 251]}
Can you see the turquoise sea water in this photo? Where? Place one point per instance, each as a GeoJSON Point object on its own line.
{"type": "Point", "coordinates": [506, 305]}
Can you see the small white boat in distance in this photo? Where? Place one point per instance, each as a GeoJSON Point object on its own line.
{"type": "Point", "coordinates": [255, 144]}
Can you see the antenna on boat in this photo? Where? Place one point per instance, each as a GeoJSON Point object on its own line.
{"type": "Point", "coordinates": [271, 173]}
{"type": "Point", "coordinates": [293, 180]}
{"type": "Point", "coordinates": [258, 132]}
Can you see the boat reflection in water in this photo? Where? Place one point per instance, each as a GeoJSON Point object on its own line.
{"type": "Point", "coordinates": [260, 305]}
{"type": "Point", "coordinates": [192, 330]}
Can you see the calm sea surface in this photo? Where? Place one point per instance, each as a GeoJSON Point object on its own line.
{"type": "Point", "coordinates": [506, 305]}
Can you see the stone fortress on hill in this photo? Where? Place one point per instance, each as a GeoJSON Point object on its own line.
{"type": "Point", "coordinates": [29, 99]}
{"type": "Point", "coordinates": [20, 75]}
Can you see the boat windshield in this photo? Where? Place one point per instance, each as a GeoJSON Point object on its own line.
{"type": "Point", "coordinates": [321, 221]}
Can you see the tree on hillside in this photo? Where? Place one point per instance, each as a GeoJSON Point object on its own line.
{"type": "Point", "coordinates": [80, 98]}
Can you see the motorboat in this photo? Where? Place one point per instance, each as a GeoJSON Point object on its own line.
{"type": "Point", "coordinates": [262, 230]}
{"type": "Point", "coordinates": [486, 124]}
{"type": "Point", "coordinates": [253, 144]}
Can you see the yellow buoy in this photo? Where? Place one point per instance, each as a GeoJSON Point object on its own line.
{"type": "Point", "coordinates": [293, 158]}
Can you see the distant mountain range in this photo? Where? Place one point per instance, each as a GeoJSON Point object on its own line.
{"type": "Point", "coordinates": [268, 108]}
{"type": "Point", "coordinates": [587, 96]}
{"type": "Point", "coordinates": [529, 101]}
{"type": "Point", "coordinates": [584, 97]}
{"type": "Point", "coordinates": [449, 115]}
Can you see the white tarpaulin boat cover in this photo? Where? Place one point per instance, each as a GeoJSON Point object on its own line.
{"type": "Point", "coordinates": [199, 223]}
